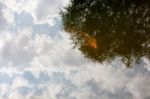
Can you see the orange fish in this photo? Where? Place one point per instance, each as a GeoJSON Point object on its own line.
{"type": "Point", "coordinates": [91, 41]}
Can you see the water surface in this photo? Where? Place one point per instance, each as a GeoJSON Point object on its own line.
{"type": "Point", "coordinates": [74, 49]}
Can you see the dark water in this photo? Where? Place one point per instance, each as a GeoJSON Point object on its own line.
{"type": "Point", "coordinates": [108, 29]}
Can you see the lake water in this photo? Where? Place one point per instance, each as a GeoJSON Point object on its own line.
{"type": "Point", "coordinates": [63, 49]}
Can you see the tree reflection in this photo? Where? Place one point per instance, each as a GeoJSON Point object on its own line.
{"type": "Point", "coordinates": [106, 29]}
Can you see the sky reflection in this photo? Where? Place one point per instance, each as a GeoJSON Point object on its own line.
{"type": "Point", "coordinates": [38, 61]}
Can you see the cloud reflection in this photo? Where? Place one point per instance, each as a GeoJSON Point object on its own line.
{"type": "Point", "coordinates": [37, 65]}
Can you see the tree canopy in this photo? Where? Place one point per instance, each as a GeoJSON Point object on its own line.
{"type": "Point", "coordinates": [107, 29]}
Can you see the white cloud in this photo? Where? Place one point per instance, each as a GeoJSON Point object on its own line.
{"type": "Point", "coordinates": [16, 95]}
{"type": "Point", "coordinates": [83, 93]}
{"type": "Point", "coordinates": [22, 50]}
{"type": "Point", "coordinates": [19, 82]}
{"type": "Point", "coordinates": [139, 86]}
{"type": "Point", "coordinates": [47, 10]}
{"type": "Point", "coordinates": [146, 64]}
{"type": "Point", "coordinates": [55, 54]}
{"type": "Point", "coordinates": [11, 91]}
{"type": "Point", "coordinates": [20, 6]}
{"type": "Point", "coordinates": [16, 49]}
{"type": "Point", "coordinates": [106, 76]}
{"type": "Point", "coordinates": [51, 92]}
{"type": "Point", "coordinates": [38, 52]}
{"type": "Point", "coordinates": [8, 15]}
{"type": "Point", "coordinates": [4, 19]}
{"type": "Point", "coordinates": [42, 11]}
{"type": "Point", "coordinates": [3, 89]}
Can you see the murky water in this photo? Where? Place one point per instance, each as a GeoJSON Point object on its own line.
{"type": "Point", "coordinates": [104, 30]}
{"type": "Point", "coordinates": [74, 49]}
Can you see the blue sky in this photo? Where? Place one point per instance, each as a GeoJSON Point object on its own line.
{"type": "Point", "coordinates": [37, 59]}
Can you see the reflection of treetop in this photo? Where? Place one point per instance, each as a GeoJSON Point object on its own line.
{"type": "Point", "coordinates": [106, 29]}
